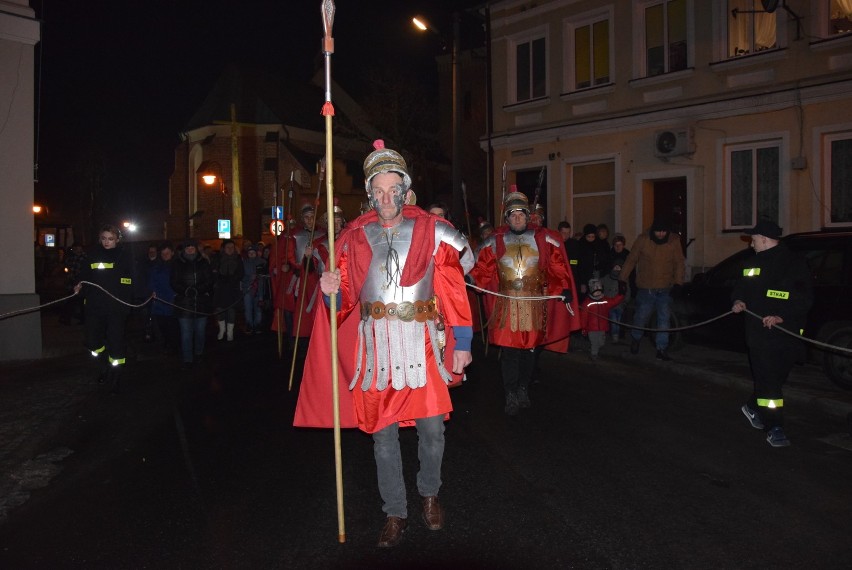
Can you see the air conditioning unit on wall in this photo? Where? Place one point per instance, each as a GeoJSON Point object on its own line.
{"type": "Point", "coordinates": [675, 142]}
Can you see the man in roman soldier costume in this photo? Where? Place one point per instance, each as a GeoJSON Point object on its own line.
{"type": "Point", "coordinates": [520, 261]}
{"type": "Point", "coordinates": [404, 336]}
{"type": "Point", "coordinates": [320, 246]}
{"type": "Point", "coordinates": [293, 262]}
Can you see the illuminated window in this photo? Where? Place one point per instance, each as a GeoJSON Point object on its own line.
{"type": "Point", "coordinates": [591, 41]}
{"type": "Point", "coordinates": [665, 36]}
{"type": "Point", "coordinates": [750, 28]}
{"type": "Point", "coordinates": [839, 17]}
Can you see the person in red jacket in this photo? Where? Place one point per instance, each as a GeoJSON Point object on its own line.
{"type": "Point", "coordinates": [595, 312]}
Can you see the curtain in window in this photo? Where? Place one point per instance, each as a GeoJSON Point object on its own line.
{"type": "Point", "coordinates": [738, 28]}
{"type": "Point", "coordinates": [764, 31]}
{"type": "Point", "coordinates": [841, 8]}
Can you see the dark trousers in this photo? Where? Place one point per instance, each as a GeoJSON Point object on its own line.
{"type": "Point", "coordinates": [169, 328]}
{"type": "Point", "coordinates": [769, 369]}
{"type": "Point", "coordinates": [105, 333]}
{"type": "Point", "coordinates": [517, 365]}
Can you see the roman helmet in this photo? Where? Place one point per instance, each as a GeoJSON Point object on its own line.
{"type": "Point", "coordinates": [383, 160]}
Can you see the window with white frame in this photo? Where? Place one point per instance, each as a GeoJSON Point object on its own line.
{"type": "Point", "coordinates": [839, 169]}
{"type": "Point", "coordinates": [529, 59]}
{"type": "Point", "coordinates": [750, 28]}
{"type": "Point", "coordinates": [590, 40]}
{"type": "Point", "coordinates": [665, 38]}
{"type": "Point", "coordinates": [753, 183]}
{"type": "Point", "coordinates": [839, 17]}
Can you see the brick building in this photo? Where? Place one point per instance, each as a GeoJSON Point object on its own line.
{"type": "Point", "coordinates": [253, 131]}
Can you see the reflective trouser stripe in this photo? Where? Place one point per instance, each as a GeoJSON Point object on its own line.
{"type": "Point", "coordinates": [116, 361]}
{"type": "Point", "coordinates": [97, 351]}
{"type": "Point", "coordinates": [766, 403]}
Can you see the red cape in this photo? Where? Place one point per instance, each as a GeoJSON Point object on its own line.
{"type": "Point", "coordinates": [314, 407]}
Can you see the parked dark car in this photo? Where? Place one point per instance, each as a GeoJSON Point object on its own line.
{"type": "Point", "coordinates": [828, 254]}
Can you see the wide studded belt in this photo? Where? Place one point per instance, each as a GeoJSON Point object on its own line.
{"type": "Point", "coordinates": [407, 311]}
{"type": "Point", "coordinates": [527, 283]}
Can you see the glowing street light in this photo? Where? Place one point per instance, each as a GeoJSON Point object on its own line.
{"type": "Point", "coordinates": [458, 205]}
{"type": "Point", "coordinates": [37, 209]}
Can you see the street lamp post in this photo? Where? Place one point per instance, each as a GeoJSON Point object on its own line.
{"type": "Point", "coordinates": [211, 173]}
{"type": "Point", "coordinates": [458, 206]}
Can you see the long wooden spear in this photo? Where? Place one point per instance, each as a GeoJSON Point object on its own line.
{"type": "Point", "coordinates": [305, 266]}
{"type": "Point", "coordinates": [279, 312]}
{"type": "Point", "coordinates": [503, 186]}
{"type": "Point", "coordinates": [328, 113]}
{"type": "Point", "coordinates": [538, 189]}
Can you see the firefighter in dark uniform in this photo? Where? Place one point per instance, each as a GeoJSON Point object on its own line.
{"type": "Point", "coordinates": [776, 285]}
{"type": "Point", "coordinates": [110, 267]}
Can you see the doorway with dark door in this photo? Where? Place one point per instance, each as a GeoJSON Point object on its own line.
{"type": "Point", "coordinates": [665, 200]}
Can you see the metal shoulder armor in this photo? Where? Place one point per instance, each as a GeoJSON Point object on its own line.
{"type": "Point", "coordinates": [449, 235]}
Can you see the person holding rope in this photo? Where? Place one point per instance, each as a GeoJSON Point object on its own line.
{"type": "Point", "coordinates": [192, 281]}
{"type": "Point", "coordinates": [657, 257]}
{"type": "Point", "coordinates": [400, 289]}
{"type": "Point", "coordinates": [110, 268]}
{"type": "Point", "coordinates": [520, 261]}
{"type": "Point", "coordinates": [776, 284]}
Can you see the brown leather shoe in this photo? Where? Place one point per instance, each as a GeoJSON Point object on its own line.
{"type": "Point", "coordinates": [433, 514]}
{"type": "Point", "coordinates": [392, 532]}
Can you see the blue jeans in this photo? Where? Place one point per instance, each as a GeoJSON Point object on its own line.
{"type": "Point", "coordinates": [430, 451]}
{"type": "Point", "coordinates": [615, 314]}
{"type": "Point", "coordinates": [192, 330]}
{"type": "Point", "coordinates": [646, 301]}
{"type": "Point", "coordinates": [253, 313]}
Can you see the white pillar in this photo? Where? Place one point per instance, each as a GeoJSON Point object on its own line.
{"type": "Point", "coordinates": [20, 336]}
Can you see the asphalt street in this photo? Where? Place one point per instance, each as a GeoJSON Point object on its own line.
{"type": "Point", "coordinates": [625, 462]}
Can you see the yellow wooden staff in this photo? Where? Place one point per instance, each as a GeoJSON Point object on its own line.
{"type": "Point", "coordinates": [328, 113]}
{"type": "Point", "coordinates": [305, 265]}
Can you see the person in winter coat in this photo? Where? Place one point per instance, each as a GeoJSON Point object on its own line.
{"type": "Point", "coordinates": [160, 283]}
{"type": "Point", "coordinates": [618, 256]}
{"type": "Point", "coordinates": [254, 287]}
{"type": "Point", "coordinates": [657, 257]}
{"type": "Point", "coordinates": [592, 257]}
{"type": "Point", "coordinates": [594, 313]}
{"type": "Point", "coordinates": [229, 275]}
{"type": "Point", "coordinates": [110, 269]}
{"type": "Point", "coordinates": [192, 281]}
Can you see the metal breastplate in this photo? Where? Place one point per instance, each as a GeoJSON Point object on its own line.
{"type": "Point", "coordinates": [518, 267]}
{"type": "Point", "coordinates": [392, 341]}
{"type": "Point", "coordinates": [391, 247]}
{"type": "Point", "coordinates": [303, 238]}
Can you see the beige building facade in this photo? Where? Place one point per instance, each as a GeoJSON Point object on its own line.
{"type": "Point", "coordinates": [712, 114]}
{"type": "Point", "coordinates": [20, 336]}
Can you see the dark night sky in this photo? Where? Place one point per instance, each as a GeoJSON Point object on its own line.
{"type": "Point", "coordinates": [125, 77]}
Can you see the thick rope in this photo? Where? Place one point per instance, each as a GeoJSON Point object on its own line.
{"type": "Point", "coordinates": [153, 297]}
{"type": "Point", "coordinates": [672, 329]}
{"type": "Point", "coordinates": [533, 298]}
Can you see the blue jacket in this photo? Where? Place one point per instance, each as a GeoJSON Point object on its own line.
{"type": "Point", "coordinates": [159, 281]}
